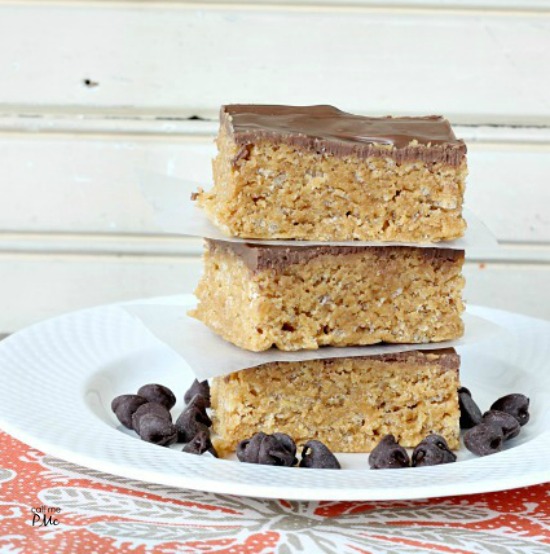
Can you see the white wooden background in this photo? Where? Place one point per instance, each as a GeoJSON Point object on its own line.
{"type": "Point", "coordinates": [91, 91]}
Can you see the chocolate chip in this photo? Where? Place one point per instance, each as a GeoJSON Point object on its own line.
{"type": "Point", "coordinates": [275, 452]}
{"type": "Point", "coordinates": [437, 440]}
{"type": "Point", "coordinates": [484, 439]}
{"type": "Point", "coordinates": [508, 423]}
{"type": "Point", "coordinates": [159, 394]}
{"type": "Point", "coordinates": [125, 405]}
{"type": "Point", "coordinates": [190, 422]}
{"type": "Point", "coordinates": [150, 408]}
{"type": "Point", "coordinates": [268, 450]}
{"type": "Point", "coordinates": [202, 388]}
{"type": "Point", "coordinates": [470, 414]}
{"type": "Point", "coordinates": [200, 444]}
{"type": "Point", "coordinates": [248, 450]}
{"type": "Point", "coordinates": [199, 402]}
{"type": "Point", "coordinates": [157, 429]}
{"type": "Point", "coordinates": [287, 441]}
{"type": "Point", "coordinates": [431, 451]}
{"type": "Point", "coordinates": [388, 454]}
{"type": "Point", "coordinates": [514, 404]}
{"type": "Point", "coordinates": [315, 454]}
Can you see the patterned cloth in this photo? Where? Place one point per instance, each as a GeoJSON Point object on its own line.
{"type": "Point", "coordinates": [49, 506]}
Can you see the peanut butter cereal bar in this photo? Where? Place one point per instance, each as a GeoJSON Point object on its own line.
{"type": "Point", "coordinates": [349, 404]}
{"type": "Point", "coordinates": [318, 173]}
{"type": "Point", "coordinates": [304, 297]}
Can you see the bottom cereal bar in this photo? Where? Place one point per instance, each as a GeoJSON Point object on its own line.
{"type": "Point", "coordinates": [347, 403]}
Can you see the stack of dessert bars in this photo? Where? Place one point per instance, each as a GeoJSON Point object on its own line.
{"type": "Point", "coordinates": [336, 180]}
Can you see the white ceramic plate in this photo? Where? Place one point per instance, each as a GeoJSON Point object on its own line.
{"type": "Point", "coordinates": [59, 377]}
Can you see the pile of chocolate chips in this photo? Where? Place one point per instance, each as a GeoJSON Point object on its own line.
{"type": "Point", "coordinates": [279, 449]}
{"type": "Point", "coordinates": [431, 451]}
{"type": "Point", "coordinates": [148, 414]}
{"type": "Point", "coordinates": [486, 433]}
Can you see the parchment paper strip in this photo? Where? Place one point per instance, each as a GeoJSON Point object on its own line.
{"type": "Point", "coordinates": [209, 355]}
{"type": "Point", "coordinates": [174, 212]}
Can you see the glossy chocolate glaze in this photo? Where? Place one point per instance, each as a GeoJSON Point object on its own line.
{"type": "Point", "coordinates": [326, 129]}
{"type": "Point", "coordinates": [259, 257]}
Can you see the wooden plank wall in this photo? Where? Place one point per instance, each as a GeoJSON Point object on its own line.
{"type": "Point", "coordinates": [93, 91]}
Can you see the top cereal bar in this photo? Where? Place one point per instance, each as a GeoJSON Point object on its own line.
{"type": "Point", "coordinates": [318, 173]}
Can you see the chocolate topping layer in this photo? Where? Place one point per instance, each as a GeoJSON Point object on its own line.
{"type": "Point", "coordinates": [447, 357]}
{"type": "Point", "coordinates": [259, 257]}
{"type": "Point", "coordinates": [326, 129]}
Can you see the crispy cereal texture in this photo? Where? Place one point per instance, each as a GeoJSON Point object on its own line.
{"type": "Point", "coordinates": [281, 191]}
{"type": "Point", "coordinates": [347, 403]}
{"type": "Point", "coordinates": [372, 295]}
